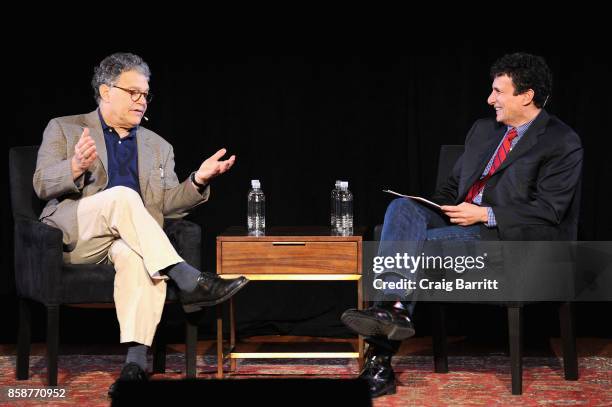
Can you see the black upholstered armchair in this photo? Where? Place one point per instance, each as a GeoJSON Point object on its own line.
{"type": "Point", "coordinates": [449, 154]}
{"type": "Point", "coordinates": [41, 275]}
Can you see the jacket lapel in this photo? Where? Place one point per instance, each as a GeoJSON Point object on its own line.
{"type": "Point", "coordinates": [527, 141]}
{"type": "Point", "coordinates": [146, 153]}
{"type": "Point", "coordinates": [146, 160]}
{"type": "Point", "coordinates": [92, 121]}
{"type": "Point", "coordinates": [524, 145]}
{"type": "Point", "coordinates": [474, 171]}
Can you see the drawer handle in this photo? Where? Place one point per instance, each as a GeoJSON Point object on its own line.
{"type": "Point", "coordinates": [288, 243]}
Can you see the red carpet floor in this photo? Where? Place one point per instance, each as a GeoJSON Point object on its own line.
{"type": "Point", "coordinates": [472, 381]}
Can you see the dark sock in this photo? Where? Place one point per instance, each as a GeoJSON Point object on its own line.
{"type": "Point", "coordinates": [185, 276]}
{"type": "Point", "coordinates": [137, 353]}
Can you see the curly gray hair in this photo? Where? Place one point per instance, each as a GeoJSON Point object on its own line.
{"type": "Point", "coordinates": [114, 65]}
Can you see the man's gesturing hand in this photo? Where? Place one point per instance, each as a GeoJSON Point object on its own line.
{"type": "Point", "coordinates": [84, 154]}
{"type": "Point", "coordinates": [213, 167]}
{"type": "Point", "coordinates": [465, 214]}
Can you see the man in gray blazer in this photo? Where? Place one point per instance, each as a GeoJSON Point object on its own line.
{"type": "Point", "coordinates": [109, 184]}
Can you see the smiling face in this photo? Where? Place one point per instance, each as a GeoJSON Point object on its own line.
{"type": "Point", "coordinates": [116, 104]}
{"type": "Point", "coordinates": [510, 109]}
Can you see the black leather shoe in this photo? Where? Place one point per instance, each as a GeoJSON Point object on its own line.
{"type": "Point", "coordinates": [393, 323]}
{"type": "Point", "coordinates": [131, 372]}
{"type": "Point", "coordinates": [378, 373]}
{"type": "Point", "coordinates": [211, 290]}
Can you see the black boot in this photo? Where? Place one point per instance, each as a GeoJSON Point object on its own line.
{"type": "Point", "coordinates": [392, 323]}
{"type": "Point", "coordinates": [378, 373]}
{"type": "Point", "coordinates": [211, 290]}
{"type": "Point", "coordinates": [131, 372]}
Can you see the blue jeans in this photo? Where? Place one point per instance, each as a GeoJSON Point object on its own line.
{"type": "Point", "coordinates": [408, 224]}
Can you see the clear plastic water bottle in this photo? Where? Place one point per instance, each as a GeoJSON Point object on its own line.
{"type": "Point", "coordinates": [334, 205]}
{"type": "Point", "coordinates": [344, 220]}
{"type": "Point", "coordinates": [256, 216]}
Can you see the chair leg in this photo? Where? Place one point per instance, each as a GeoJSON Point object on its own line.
{"type": "Point", "coordinates": [219, 309]}
{"type": "Point", "coordinates": [516, 347]}
{"type": "Point", "coordinates": [440, 345]}
{"type": "Point", "coordinates": [52, 343]}
{"type": "Point", "coordinates": [24, 339]}
{"type": "Point", "coordinates": [191, 345]}
{"type": "Point", "coordinates": [570, 357]}
{"type": "Point", "coordinates": [159, 350]}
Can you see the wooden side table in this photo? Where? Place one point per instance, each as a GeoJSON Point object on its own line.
{"type": "Point", "coordinates": [286, 254]}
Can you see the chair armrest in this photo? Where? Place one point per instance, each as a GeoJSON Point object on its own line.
{"type": "Point", "coordinates": [38, 260]}
{"type": "Point", "coordinates": [186, 237]}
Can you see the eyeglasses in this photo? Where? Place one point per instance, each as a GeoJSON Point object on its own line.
{"type": "Point", "coordinates": [136, 94]}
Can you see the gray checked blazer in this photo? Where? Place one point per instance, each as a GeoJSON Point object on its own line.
{"type": "Point", "coordinates": [161, 192]}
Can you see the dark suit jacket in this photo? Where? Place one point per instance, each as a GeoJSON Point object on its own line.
{"type": "Point", "coordinates": [534, 192]}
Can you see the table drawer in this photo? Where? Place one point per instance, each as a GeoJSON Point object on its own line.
{"type": "Point", "coordinates": [284, 257]}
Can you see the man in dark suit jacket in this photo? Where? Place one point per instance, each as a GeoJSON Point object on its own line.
{"type": "Point", "coordinates": [516, 180]}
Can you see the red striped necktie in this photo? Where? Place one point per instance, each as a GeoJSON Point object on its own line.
{"type": "Point", "coordinates": [500, 156]}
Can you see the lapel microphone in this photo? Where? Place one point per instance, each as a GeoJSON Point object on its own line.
{"type": "Point", "coordinates": [146, 118]}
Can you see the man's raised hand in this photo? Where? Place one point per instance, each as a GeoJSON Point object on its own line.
{"type": "Point", "coordinates": [84, 154]}
{"type": "Point", "coordinates": [214, 166]}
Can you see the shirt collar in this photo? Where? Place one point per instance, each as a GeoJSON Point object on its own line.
{"type": "Point", "coordinates": [106, 127]}
{"type": "Point", "coordinates": [520, 130]}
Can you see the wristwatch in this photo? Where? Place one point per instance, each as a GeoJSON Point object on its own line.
{"type": "Point", "coordinates": [196, 183]}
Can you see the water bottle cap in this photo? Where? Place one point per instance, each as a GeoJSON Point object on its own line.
{"type": "Point", "coordinates": [255, 184]}
{"type": "Point", "coordinates": [338, 183]}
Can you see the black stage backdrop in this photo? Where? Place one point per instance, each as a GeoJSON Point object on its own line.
{"type": "Point", "coordinates": [298, 123]}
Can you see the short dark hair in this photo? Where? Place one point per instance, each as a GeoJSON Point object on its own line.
{"type": "Point", "coordinates": [113, 66]}
{"type": "Point", "coordinates": [527, 72]}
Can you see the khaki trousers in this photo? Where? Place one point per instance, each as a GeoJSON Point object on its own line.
{"type": "Point", "coordinates": [114, 226]}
